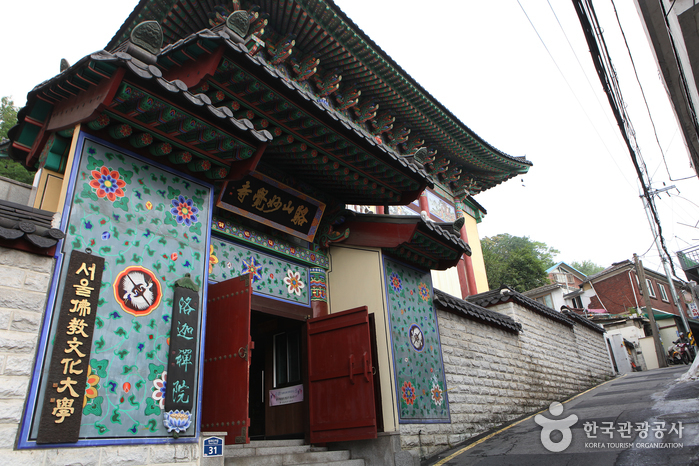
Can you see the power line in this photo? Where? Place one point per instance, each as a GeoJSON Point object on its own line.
{"type": "Point", "coordinates": [643, 94]}
{"type": "Point", "coordinates": [607, 75]}
{"type": "Point", "coordinates": [573, 91]}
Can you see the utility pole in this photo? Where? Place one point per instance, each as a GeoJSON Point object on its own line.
{"type": "Point", "coordinates": [659, 350]}
{"type": "Point", "coordinates": [663, 258]}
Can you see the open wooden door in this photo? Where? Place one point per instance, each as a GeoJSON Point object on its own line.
{"type": "Point", "coordinates": [227, 359]}
{"type": "Point", "coordinates": [340, 384]}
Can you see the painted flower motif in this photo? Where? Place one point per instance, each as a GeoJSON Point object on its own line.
{"type": "Point", "coordinates": [88, 225]}
{"type": "Point", "coordinates": [213, 260]}
{"type": "Point", "coordinates": [174, 256]}
{"type": "Point", "coordinates": [252, 267]}
{"type": "Point", "coordinates": [184, 211]}
{"type": "Point", "coordinates": [149, 205]}
{"type": "Point", "coordinates": [437, 395]}
{"type": "Point", "coordinates": [106, 182]}
{"type": "Point", "coordinates": [90, 391]}
{"type": "Point", "coordinates": [106, 235]}
{"type": "Point", "coordinates": [396, 282]}
{"type": "Point", "coordinates": [293, 282]}
{"type": "Point", "coordinates": [409, 394]}
{"type": "Point", "coordinates": [424, 291]}
{"type": "Point", "coordinates": [177, 420]}
{"type": "Point", "coordinates": [159, 386]}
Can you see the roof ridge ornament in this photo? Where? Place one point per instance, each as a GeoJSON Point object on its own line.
{"type": "Point", "coordinates": [237, 25]}
{"type": "Point", "coordinates": [146, 41]}
{"type": "Point", "coordinates": [458, 224]}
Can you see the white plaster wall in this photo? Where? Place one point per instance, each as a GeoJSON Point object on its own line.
{"type": "Point", "coordinates": [447, 281]}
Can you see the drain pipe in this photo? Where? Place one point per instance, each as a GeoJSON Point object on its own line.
{"type": "Point", "coordinates": [635, 296]}
{"type": "Point", "coordinates": [419, 439]}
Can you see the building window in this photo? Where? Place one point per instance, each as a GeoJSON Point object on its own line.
{"type": "Point", "coordinates": [287, 359]}
{"type": "Point", "coordinates": [663, 293]}
{"type": "Point", "coordinates": [546, 300]}
{"type": "Point", "coordinates": [651, 291]}
{"type": "Point", "coordinates": [577, 302]}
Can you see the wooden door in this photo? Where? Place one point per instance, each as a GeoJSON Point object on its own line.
{"type": "Point", "coordinates": [227, 359]}
{"type": "Point", "coordinates": [340, 383]}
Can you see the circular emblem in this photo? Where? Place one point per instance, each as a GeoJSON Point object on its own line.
{"type": "Point", "coordinates": [137, 290]}
{"type": "Point", "coordinates": [417, 339]}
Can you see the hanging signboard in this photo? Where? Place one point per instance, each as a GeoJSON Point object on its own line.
{"type": "Point", "coordinates": [63, 399]}
{"type": "Point", "coordinates": [273, 204]}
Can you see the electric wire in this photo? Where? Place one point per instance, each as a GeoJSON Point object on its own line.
{"type": "Point", "coordinates": [605, 70]}
{"type": "Point", "coordinates": [643, 93]}
{"type": "Point", "coordinates": [599, 136]}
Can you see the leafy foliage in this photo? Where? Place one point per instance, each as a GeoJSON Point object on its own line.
{"type": "Point", "coordinates": [587, 267]}
{"type": "Point", "coordinates": [516, 261]}
{"type": "Point", "coordinates": [9, 168]}
{"type": "Point", "coordinates": [8, 116]}
{"type": "Point", "coordinates": [15, 171]}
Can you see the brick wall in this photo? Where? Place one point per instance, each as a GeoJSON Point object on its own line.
{"type": "Point", "coordinates": [494, 376]}
{"type": "Point", "coordinates": [617, 295]}
{"type": "Point", "coordinates": [24, 281]}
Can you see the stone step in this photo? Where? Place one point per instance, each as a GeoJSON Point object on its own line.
{"type": "Point", "coordinates": [278, 460]}
{"type": "Point", "coordinates": [311, 456]}
{"type": "Point", "coordinates": [268, 449]}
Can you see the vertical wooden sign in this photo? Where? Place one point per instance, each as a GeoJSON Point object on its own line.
{"type": "Point", "coordinates": [65, 389]}
{"type": "Point", "coordinates": [182, 360]}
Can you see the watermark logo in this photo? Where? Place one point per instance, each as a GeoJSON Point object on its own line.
{"type": "Point", "coordinates": [548, 426]}
{"type": "Point", "coordinates": [653, 434]}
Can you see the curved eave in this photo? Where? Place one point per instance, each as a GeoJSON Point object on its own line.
{"type": "Point", "coordinates": [342, 44]}
{"type": "Point", "coordinates": [421, 243]}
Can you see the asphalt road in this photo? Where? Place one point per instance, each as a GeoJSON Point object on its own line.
{"type": "Point", "coordinates": [601, 435]}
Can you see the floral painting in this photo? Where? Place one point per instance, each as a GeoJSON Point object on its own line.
{"type": "Point", "coordinates": [270, 276]}
{"type": "Point", "coordinates": [417, 354]}
{"type": "Point", "coordinates": [148, 223]}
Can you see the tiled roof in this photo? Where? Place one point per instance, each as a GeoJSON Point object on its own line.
{"type": "Point", "coordinates": [411, 238]}
{"type": "Point", "coordinates": [458, 306]}
{"type": "Point", "coordinates": [412, 179]}
{"type": "Point", "coordinates": [614, 267]}
{"type": "Point", "coordinates": [26, 226]}
{"type": "Point", "coordinates": [321, 29]}
{"type": "Point", "coordinates": [542, 289]}
{"type": "Point", "coordinates": [505, 294]}
{"type": "Point", "coordinates": [578, 319]}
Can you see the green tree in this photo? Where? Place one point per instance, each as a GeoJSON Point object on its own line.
{"type": "Point", "coordinates": [517, 262]}
{"type": "Point", "coordinates": [587, 267]}
{"type": "Point", "coordinates": [9, 168]}
{"type": "Point", "coordinates": [8, 116]}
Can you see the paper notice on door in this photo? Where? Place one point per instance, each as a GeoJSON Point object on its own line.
{"type": "Point", "coordinates": [285, 396]}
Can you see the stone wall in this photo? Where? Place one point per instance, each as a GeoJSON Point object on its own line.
{"type": "Point", "coordinates": [494, 376]}
{"type": "Point", "coordinates": [15, 191]}
{"type": "Point", "coordinates": [24, 281]}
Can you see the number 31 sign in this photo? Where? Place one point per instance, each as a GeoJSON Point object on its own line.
{"type": "Point", "coordinates": [213, 446]}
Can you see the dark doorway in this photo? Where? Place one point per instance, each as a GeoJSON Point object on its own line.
{"type": "Point", "coordinates": [276, 364]}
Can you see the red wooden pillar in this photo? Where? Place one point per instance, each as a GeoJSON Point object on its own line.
{"type": "Point", "coordinates": [468, 263]}
{"type": "Point", "coordinates": [319, 297]}
{"type": "Point", "coordinates": [380, 209]}
{"type": "Point", "coordinates": [467, 278]}
{"type": "Point", "coordinates": [423, 202]}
